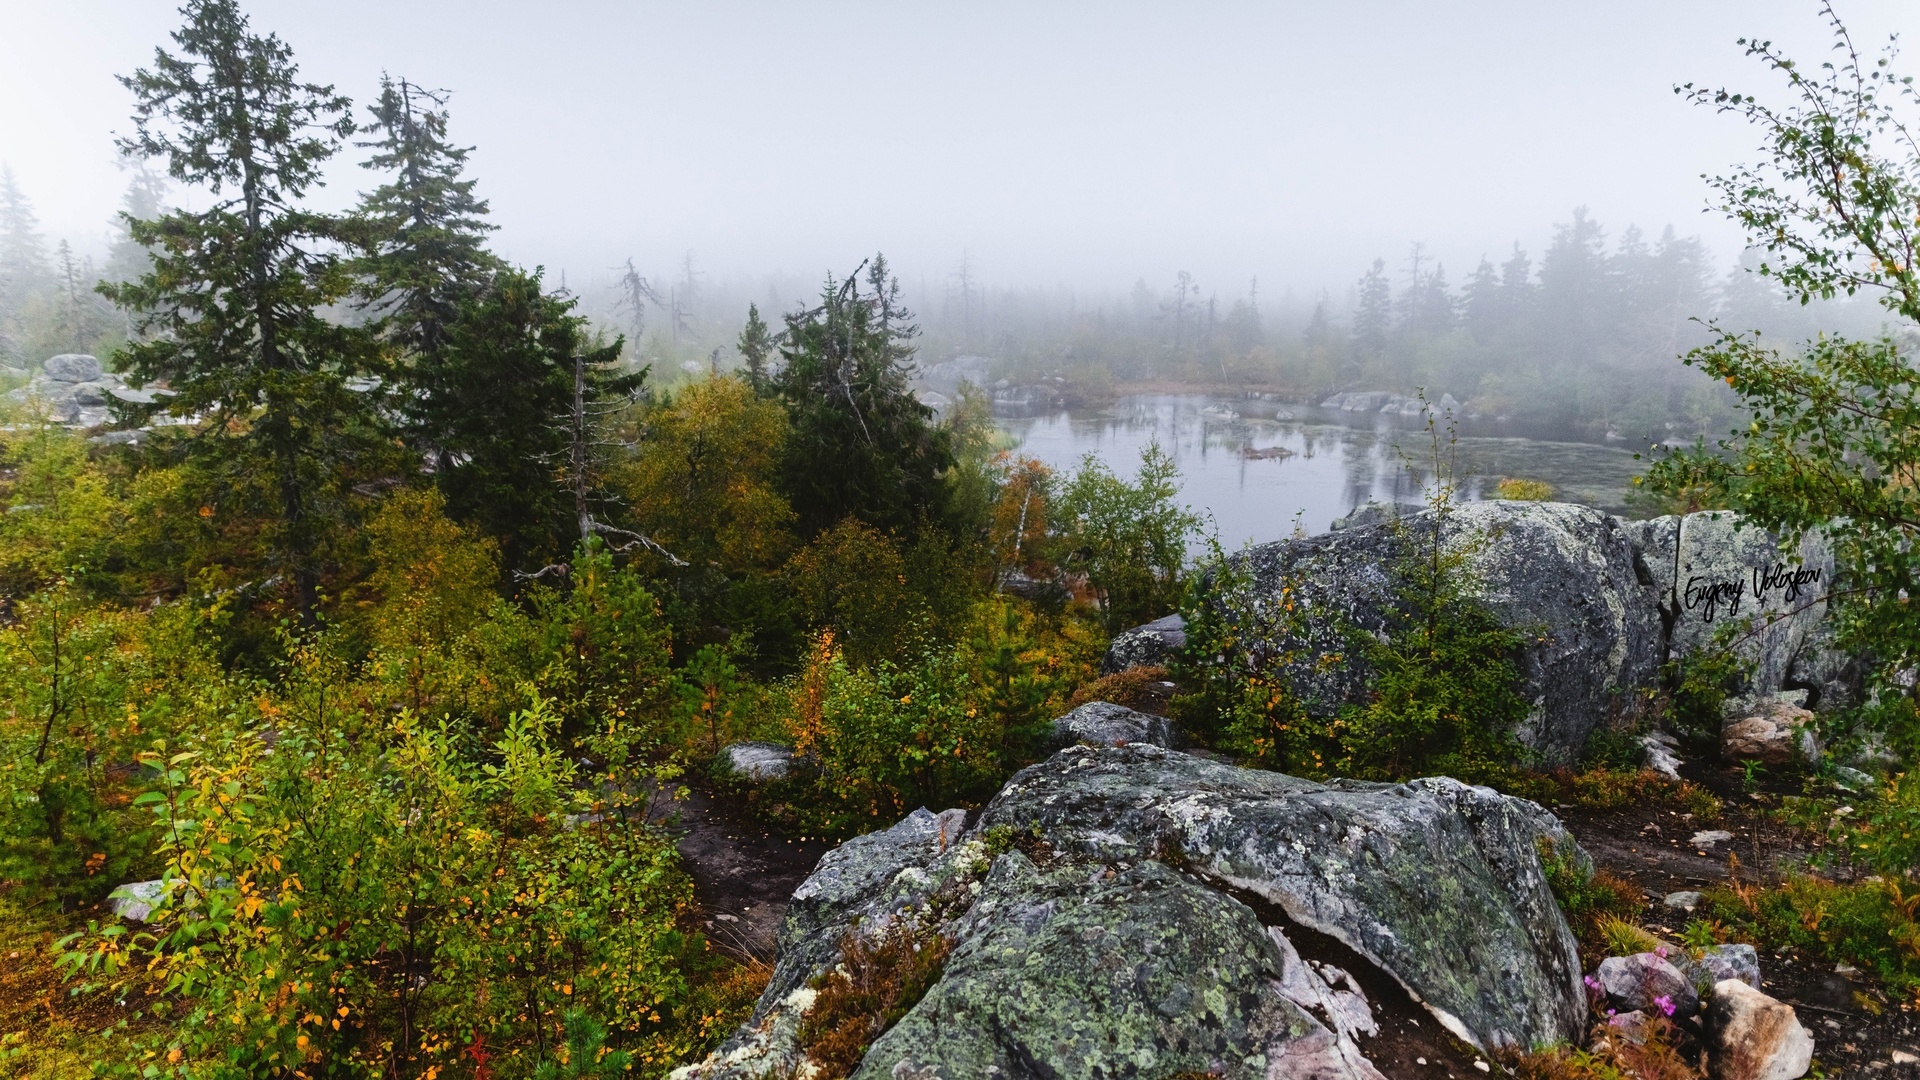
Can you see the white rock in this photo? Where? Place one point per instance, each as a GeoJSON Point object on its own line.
{"type": "Point", "coordinates": [1685, 900]}
{"type": "Point", "coordinates": [1751, 1036]}
{"type": "Point", "coordinates": [757, 761]}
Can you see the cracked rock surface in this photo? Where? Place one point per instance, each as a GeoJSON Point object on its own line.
{"type": "Point", "coordinates": [1124, 911]}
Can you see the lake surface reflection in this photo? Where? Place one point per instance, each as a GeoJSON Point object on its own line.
{"type": "Point", "coordinates": [1257, 467]}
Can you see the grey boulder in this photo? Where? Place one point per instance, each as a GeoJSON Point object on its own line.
{"type": "Point", "coordinates": [1125, 911]}
{"type": "Point", "coordinates": [1564, 576]}
{"type": "Point", "coordinates": [1644, 981]}
{"type": "Point", "coordinates": [1723, 962]}
{"type": "Point", "coordinates": [1393, 872]}
{"type": "Point", "coordinates": [1712, 569]}
{"type": "Point", "coordinates": [1102, 723]}
{"type": "Point", "coordinates": [136, 900]}
{"type": "Point", "coordinates": [72, 368]}
{"type": "Point", "coordinates": [1148, 645]}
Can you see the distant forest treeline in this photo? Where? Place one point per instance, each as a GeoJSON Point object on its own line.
{"type": "Point", "coordinates": [1586, 335]}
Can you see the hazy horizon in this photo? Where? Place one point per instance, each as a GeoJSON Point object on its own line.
{"type": "Point", "coordinates": [1077, 146]}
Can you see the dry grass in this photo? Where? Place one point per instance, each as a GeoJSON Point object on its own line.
{"type": "Point", "coordinates": [878, 980]}
{"type": "Point", "coordinates": [1658, 1057]}
{"type": "Point", "coordinates": [1128, 688]}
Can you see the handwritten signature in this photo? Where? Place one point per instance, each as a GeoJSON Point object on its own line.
{"type": "Point", "coordinates": [1709, 595]}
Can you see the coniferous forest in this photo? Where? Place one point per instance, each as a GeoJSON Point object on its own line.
{"type": "Point", "coordinates": [385, 625]}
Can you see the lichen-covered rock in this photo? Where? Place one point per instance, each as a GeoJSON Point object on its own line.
{"type": "Point", "coordinates": [1139, 972]}
{"type": "Point", "coordinates": [1131, 942]}
{"type": "Point", "coordinates": [1565, 576]}
{"type": "Point", "coordinates": [1144, 646]}
{"type": "Point", "coordinates": [756, 762]}
{"type": "Point", "coordinates": [1102, 723]}
{"type": "Point", "coordinates": [1647, 982]}
{"type": "Point", "coordinates": [1750, 1036]}
{"type": "Point", "coordinates": [1711, 569]}
{"type": "Point", "coordinates": [1436, 882]}
{"type": "Point", "coordinates": [1723, 962]}
{"type": "Point", "coordinates": [866, 882]}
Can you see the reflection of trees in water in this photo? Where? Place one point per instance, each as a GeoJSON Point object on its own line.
{"type": "Point", "coordinates": [1370, 464]}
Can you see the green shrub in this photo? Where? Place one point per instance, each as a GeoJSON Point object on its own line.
{"type": "Point", "coordinates": [1513, 487]}
{"type": "Point", "coordinates": [1874, 925]}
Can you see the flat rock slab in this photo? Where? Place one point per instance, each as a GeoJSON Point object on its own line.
{"type": "Point", "coordinates": [1141, 973]}
{"type": "Point", "coordinates": [1394, 872]}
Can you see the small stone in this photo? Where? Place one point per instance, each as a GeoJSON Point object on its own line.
{"type": "Point", "coordinates": [1640, 982]}
{"type": "Point", "coordinates": [1419, 1061]}
{"type": "Point", "coordinates": [1657, 755]}
{"type": "Point", "coordinates": [1901, 1057]}
{"type": "Point", "coordinates": [1481, 1065]}
{"type": "Point", "coordinates": [1724, 962]}
{"type": "Point", "coordinates": [1685, 900]}
{"type": "Point", "coordinates": [1710, 837]}
{"type": "Point", "coordinates": [1751, 1036]}
{"type": "Point", "coordinates": [1629, 1027]}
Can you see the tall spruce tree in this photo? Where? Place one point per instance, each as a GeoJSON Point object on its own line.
{"type": "Point", "coordinates": [234, 298]}
{"type": "Point", "coordinates": [515, 406]}
{"type": "Point", "coordinates": [861, 444]}
{"type": "Point", "coordinates": [426, 230]}
{"type": "Point", "coordinates": [756, 347]}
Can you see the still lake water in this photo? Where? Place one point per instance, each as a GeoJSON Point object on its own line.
{"type": "Point", "coordinates": [1333, 462]}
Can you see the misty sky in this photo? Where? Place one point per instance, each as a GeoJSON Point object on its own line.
{"type": "Point", "coordinates": [1060, 143]}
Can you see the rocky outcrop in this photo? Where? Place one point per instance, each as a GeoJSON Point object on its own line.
{"type": "Point", "coordinates": [1102, 723]}
{"type": "Point", "coordinates": [1381, 401]}
{"type": "Point", "coordinates": [1602, 604]}
{"type": "Point", "coordinates": [75, 389]}
{"type": "Point", "coordinates": [1565, 576]}
{"type": "Point", "coordinates": [1144, 646]}
{"type": "Point", "coordinates": [1712, 571]}
{"type": "Point", "coordinates": [1127, 910]}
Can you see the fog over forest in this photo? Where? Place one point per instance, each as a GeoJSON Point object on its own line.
{"type": "Point", "coordinates": [1498, 203]}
